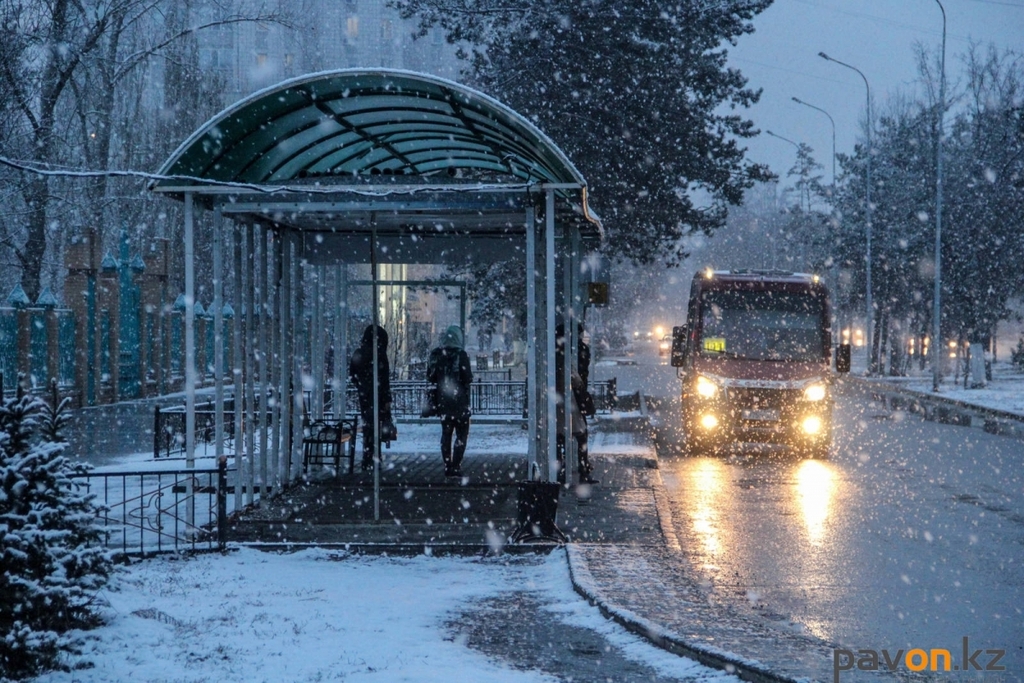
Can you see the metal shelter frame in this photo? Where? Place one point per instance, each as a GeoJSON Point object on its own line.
{"type": "Point", "coordinates": [366, 167]}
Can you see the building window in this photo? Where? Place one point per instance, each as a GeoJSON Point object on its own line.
{"type": "Point", "coordinates": [352, 27]}
{"type": "Point", "coordinates": [261, 59]}
{"type": "Point", "coordinates": [387, 30]}
{"type": "Point", "coordinates": [289, 59]}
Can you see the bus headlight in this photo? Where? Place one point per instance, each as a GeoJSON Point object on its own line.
{"type": "Point", "coordinates": [812, 424]}
{"type": "Point", "coordinates": [815, 392]}
{"type": "Point", "coordinates": [708, 421]}
{"type": "Point", "coordinates": [706, 388]}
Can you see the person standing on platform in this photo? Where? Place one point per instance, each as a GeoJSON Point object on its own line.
{"type": "Point", "coordinates": [449, 370]}
{"type": "Point", "coordinates": [361, 372]}
{"type": "Point", "coordinates": [577, 398]}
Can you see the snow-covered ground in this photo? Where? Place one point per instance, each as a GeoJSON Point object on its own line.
{"type": "Point", "coordinates": [318, 615]}
{"type": "Point", "coordinates": [1005, 391]}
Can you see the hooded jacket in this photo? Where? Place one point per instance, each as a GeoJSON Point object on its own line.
{"type": "Point", "coordinates": [448, 367]}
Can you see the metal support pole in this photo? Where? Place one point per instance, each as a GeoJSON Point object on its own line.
{"type": "Point", "coordinates": [342, 345]}
{"type": "Point", "coordinates": [266, 320]}
{"type": "Point", "coordinates": [576, 310]}
{"type": "Point", "coordinates": [190, 354]}
{"type": "Point", "coordinates": [274, 321]}
{"type": "Point", "coordinates": [337, 398]}
{"type": "Point", "coordinates": [869, 305]}
{"type": "Point", "coordinates": [236, 361]}
{"type": "Point", "coordinates": [284, 353]}
{"type": "Point", "coordinates": [549, 306]}
{"type": "Point", "coordinates": [937, 296]}
{"type": "Point", "coordinates": [319, 338]}
{"type": "Point", "coordinates": [462, 307]}
{"type": "Point", "coordinates": [376, 378]}
{"type": "Point", "coordinates": [218, 331]}
{"type": "Point", "coordinates": [568, 360]}
{"type": "Point", "coordinates": [296, 353]}
{"type": "Point", "coordinates": [531, 346]}
{"type": "Point", "coordinates": [248, 378]}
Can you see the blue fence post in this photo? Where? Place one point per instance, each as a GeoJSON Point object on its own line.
{"type": "Point", "coordinates": [91, 389]}
{"type": "Point", "coordinates": [129, 372]}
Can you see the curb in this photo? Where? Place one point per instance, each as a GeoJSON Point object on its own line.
{"type": "Point", "coordinates": [943, 410]}
{"type": "Point", "coordinates": [585, 586]}
{"type": "Point", "coordinates": [403, 549]}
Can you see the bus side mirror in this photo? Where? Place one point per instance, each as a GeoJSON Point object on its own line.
{"type": "Point", "coordinates": [843, 358]}
{"type": "Point", "coordinates": [678, 358]}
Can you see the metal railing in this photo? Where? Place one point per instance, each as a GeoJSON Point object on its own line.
{"type": "Point", "coordinates": [154, 511]}
{"type": "Point", "coordinates": [492, 398]}
{"type": "Point", "coordinates": [169, 429]}
{"type": "Point", "coordinates": [487, 398]}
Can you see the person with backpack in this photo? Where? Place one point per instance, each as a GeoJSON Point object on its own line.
{"type": "Point", "coordinates": [449, 370]}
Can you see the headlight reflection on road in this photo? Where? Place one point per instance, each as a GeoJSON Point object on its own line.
{"type": "Point", "coordinates": [707, 478]}
{"type": "Point", "coordinates": [815, 485]}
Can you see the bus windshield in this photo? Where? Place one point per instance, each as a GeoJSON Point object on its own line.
{"type": "Point", "coordinates": [762, 325]}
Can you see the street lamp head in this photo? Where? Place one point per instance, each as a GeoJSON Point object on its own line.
{"type": "Point", "coordinates": [798, 100]}
{"type": "Point", "coordinates": [824, 56]}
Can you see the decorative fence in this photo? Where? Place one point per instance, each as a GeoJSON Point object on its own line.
{"type": "Point", "coordinates": [51, 346]}
{"type": "Point", "coordinates": [156, 511]}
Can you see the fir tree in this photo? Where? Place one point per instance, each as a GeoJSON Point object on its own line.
{"type": "Point", "coordinates": [50, 543]}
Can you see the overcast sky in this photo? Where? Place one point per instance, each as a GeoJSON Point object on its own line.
{"type": "Point", "coordinates": [877, 37]}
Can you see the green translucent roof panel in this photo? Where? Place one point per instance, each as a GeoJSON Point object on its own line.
{"type": "Point", "coordinates": [357, 122]}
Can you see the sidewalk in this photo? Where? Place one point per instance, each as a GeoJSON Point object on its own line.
{"type": "Point", "coordinates": [1004, 392]}
{"type": "Point", "coordinates": [998, 407]}
{"type": "Point", "coordinates": [622, 552]}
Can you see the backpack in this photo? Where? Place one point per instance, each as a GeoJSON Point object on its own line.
{"type": "Point", "coordinates": [452, 396]}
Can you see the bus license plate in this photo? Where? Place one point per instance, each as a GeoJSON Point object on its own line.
{"type": "Point", "coordinates": [765, 415]}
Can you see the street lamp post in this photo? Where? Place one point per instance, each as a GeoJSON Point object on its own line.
{"type": "Point", "coordinates": [806, 104]}
{"type": "Point", "coordinates": [797, 145]}
{"type": "Point", "coordinates": [800, 198]}
{"type": "Point", "coordinates": [868, 211]}
{"type": "Point", "coordinates": [832, 121]}
{"type": "Point", "coordinates": [936, 299]}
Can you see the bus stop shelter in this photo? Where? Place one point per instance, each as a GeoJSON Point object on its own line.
{"type": "Point", "coordinates": [370, 167]}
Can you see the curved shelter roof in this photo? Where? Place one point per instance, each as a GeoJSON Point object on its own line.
{"type": "Point", "coordinates": [418, 157]}
{"type": "Point", "coordinates": [357, 122]}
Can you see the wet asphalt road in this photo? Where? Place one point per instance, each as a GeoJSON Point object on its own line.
{"type": "Point", "coordinates": [911, 535]}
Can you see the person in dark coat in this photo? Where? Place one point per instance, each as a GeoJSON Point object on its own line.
{"type": "Point", "coordinates": [448, 368]}
{"type": "Point", "coordinates": [575, 400]}
{"type": "Point", "coordinates": [360, 370]}
{"type": "Point", "coordinates": [583, 360]}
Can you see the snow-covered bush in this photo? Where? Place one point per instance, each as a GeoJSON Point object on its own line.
{"type": "Point", "coordinates": [50, 552]}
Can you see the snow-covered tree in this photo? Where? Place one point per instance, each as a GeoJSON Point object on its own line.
{"type": "Point", "coordinates": [636, 92]}
{"type": "Point", "coordinates": [983, 180]}
{"type": "Point", "coordinates": [50, 551]}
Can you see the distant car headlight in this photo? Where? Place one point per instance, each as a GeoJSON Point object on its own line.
{"type": "Point", "coordinates": [815, 392]}
{"type": "Point", "coordinates": [706, 388]}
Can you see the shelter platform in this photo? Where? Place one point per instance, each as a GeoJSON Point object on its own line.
{"type": "Point", "coordinates": [421, 508]}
